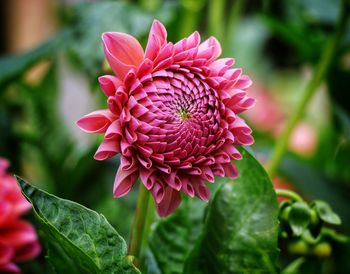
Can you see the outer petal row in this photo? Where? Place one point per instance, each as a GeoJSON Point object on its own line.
{"type": "Point", "coordinates": [123, 52]}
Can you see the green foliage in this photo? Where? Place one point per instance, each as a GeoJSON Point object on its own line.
{"type": "Point", "coordinates": [79, 233]}
{"type": "Point", "coordinates": [326, 213]}
{"type": "Point", "coordinates": [241, 229]}
{"type": "Point", "coordinates": [12, 67]}
{"type": "Point", "coordinates": [173, 237]}
{"type": "Point", "coordinates": [299, 217]}
{"type": "Point", "coordinates": [103, 17]}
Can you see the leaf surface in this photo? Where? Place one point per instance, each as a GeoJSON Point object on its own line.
{"type": "Point", "coordinates": [82, 234]}
{"type": "Point", "coordinates": [241, 230]}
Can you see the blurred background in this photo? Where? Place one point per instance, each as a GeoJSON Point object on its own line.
{"type": "Point", "coordinates": [52, 55]}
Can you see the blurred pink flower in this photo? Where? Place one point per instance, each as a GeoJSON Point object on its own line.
{"type": "Point", "coordinates": [172, 115]}
{"type": "Point", "coordinates": [18, 239]}
{"type": "Point", "coordinates": [269, 115]}
{"type": "Point", "coordinates": [304, 139]}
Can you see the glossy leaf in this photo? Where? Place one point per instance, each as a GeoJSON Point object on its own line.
{"type": "Point", "coordinates": [241, 230]}
{"type": "Point", "coordinates": [299, 217]}
{"type": "Point", "coordinates": [173, 237]}
{"type": "Point", "coordinates": [326, 213]}
{"type": "Point", "coordinates": [84, 235]}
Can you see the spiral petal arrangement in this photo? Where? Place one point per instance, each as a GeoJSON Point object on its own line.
{"type": "Point", "coordinates": [172, 115]}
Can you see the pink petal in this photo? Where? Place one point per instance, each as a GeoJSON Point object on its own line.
{"type": "Point", "coordinates": [158, 192]}
{"type": "Point", "coordinates": [148, 177]}
{"type": "Point", "coordinates": [27, 252]}
{"type": "Point", "coordinates": [209, 49]}
{"type": "Point", "coordinates": [156, 40]}
{"type": "Point", "coordinates": [18, 233]}
{"type": "Point", "coordinates": [6, 253]}
{"type": "Point", "coordinates": [107, 149]}
{"type": "Point", "coordinates": [124, 180]}
{"type": "Point", "coordinates": [109, 84]}
{"type": "Point", "coordinates": [230, 170]}
{"type": "Point", "coordinates": [9, 268]}
{"type": "Point", "coordinates": [123, 52]}
{"type": "Point", "coordinates": [202, 192]}
{"type": "Point", "coordinates": [169, 203]}
{"type": "Point", "coordinates": [5, 212]}
{"type": "Point", "coordinates": [96, 122]}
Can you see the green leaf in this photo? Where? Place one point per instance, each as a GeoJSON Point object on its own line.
{"type": "Point", "coordinates": [13, 66]}
{"type": "Point", "coordinates": [294, 266]}
{"type": "Point", "coordinates": [241, 229]}
{"type": "Point", "coordinates": [84, 235]}
{"type": "Point", "coordinates": [173, 237]}
{"type": "Point", "coordinates": [326, 213]}
{"type": "Point", "coordinates": [299, 217]}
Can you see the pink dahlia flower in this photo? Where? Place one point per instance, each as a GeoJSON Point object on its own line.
{"type": "Point", "coordinates": [172, 115]}
{"type": "Point", "coordinates": [18, 239]}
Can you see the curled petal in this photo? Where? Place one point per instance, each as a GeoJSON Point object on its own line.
{"type": "Point", "coordinates": [210, 49]}
{"type": "Point", "coordinates": [109, 84]}
{"type": "Point", "coordinates": [27, 252]}
{"type": "Point", "coordinates": [107, 149]}
{"type": "Point", "coordinates": [124, 180]}
{"type": "Point", "coordinates": [158, 192]}
{"type": "Point", "coordinates": [230, 170]}
{"type": "Point", "coordinates": [156, 40]}
{"type": "Point", "coordinates": [123, 52]}
{"type": "Point", "coordinates": [169, 203]}
{"type": "Point", "coordinates": [148, 177]}
{"type": "Point", "coordinates": [202, 192]}
{"type": "Point", "coordinates": [96, 122]}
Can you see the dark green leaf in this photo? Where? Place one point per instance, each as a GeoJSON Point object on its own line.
{"type": "Point", "coordinates": [173, 237]}
{"type": "Point", "coordinates": [241, 230]}
{"type": "Point", "coordinates": [326, 213]}
{"type": "Point", "coordinates": [84, 235]}
{"type": "Point", "coordinates": [299, 217]}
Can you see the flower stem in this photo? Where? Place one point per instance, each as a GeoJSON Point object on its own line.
{"type": "Point", "coordinates": [139, 227]}
{"type": "Point", "coordinates": [289, 194]}
{"type": "Point", "coordinates": [310, 89]}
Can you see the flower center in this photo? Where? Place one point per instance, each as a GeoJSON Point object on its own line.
{"type": "Point", "coordinates": [184, 114]}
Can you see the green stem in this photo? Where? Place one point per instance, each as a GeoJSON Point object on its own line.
{"type": "Point", "coordinates": [310, 89]}
{"type": "Point", "coordinates": [139, 227]}
{"type": "Point", "coordinates": [216, 18]}
{"type": "Point", "coordinates": [289, 194]}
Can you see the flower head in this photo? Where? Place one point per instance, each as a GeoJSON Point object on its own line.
{"type": "Point", "coordinates": [172, 115]}
{"type": "Point", "coordinates": [18, 239]}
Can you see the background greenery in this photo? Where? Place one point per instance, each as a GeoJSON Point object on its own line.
{"type": "Point", "coordinates": [278, 43]}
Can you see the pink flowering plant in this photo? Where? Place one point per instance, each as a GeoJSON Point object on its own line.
{"type": "Point", "coordinates": [18, 238]}
{"type": "Point", "coordinates": [173, 115]}
{"type": "Point", "coordinates": [175, 174]}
